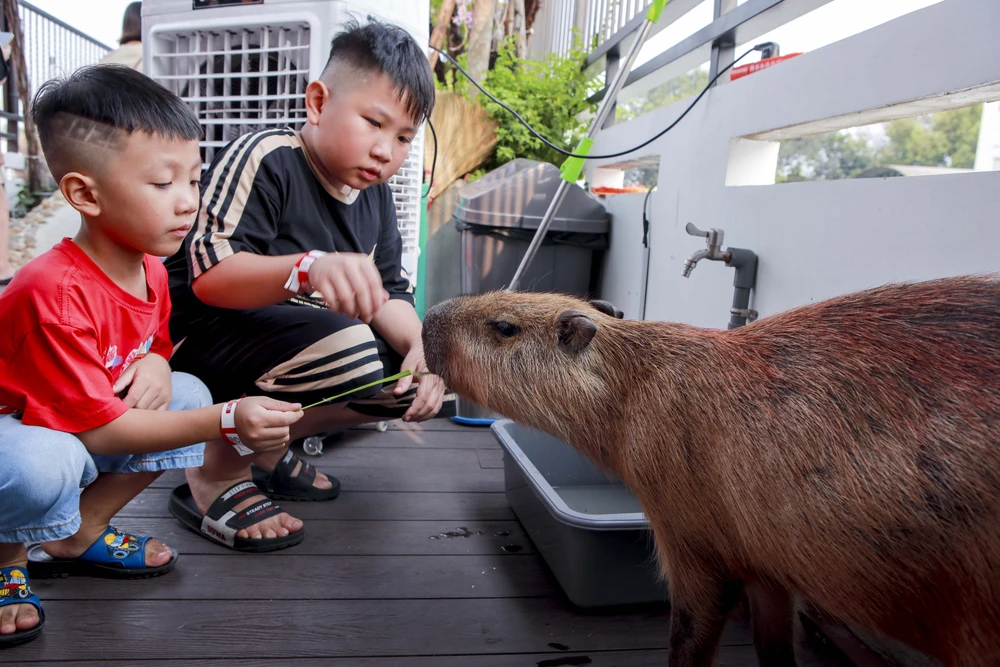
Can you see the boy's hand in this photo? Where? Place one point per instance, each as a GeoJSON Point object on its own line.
{"type": "Point", "coordinates": [150, 382]}
{"type": "Point", "coordinates": [350, 284]}
{"type": "Point", "coordinates": [262, 422]}
{"type": "Point", "coordinates": [430, 388]}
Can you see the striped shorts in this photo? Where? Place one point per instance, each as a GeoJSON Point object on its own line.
{"type": "Point", "coordinates": [294, 353]}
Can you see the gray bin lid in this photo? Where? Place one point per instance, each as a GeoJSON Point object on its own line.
{"type": "Point", "coordinates": [517, 195]}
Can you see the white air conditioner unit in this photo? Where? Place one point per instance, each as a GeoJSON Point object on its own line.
{"type": "Point", "coordinates": [243, 65]}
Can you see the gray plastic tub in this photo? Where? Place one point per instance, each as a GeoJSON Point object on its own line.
{"type": "Point", "coordinates": [590, 529]}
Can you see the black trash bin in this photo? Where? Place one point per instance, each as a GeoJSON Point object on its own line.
{"type": "Point", "coordinates": [498, 215]}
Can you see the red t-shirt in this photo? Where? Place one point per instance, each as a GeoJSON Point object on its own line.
{"type": "Point", "coordinates": [69, 332]}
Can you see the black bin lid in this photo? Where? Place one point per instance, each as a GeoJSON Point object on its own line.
{"type": "Point", "coordinates": [517, 195]}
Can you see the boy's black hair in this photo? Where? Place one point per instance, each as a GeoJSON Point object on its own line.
{"type": "Point", "coordinates": [101, 102]}
{"type": "Point", "coordinates": [390, 50]}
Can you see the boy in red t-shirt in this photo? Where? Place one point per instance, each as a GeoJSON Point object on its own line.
{"type": "Point", "coordinates": [87, 397]}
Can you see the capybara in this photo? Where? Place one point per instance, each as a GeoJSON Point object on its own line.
{"type": "Point", "coordinates": [846, 451]}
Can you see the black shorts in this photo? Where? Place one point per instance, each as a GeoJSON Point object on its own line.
{"type": "Point", "coordinates": [294, 353]}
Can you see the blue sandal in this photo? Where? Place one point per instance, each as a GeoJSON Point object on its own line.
{"type": "Point", "coordinates": [115, 554]}
{"type": "Point", "coordinates": [14, 589]}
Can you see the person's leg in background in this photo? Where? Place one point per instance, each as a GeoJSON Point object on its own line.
{"type": "Point", "coordinates": [6, 270]}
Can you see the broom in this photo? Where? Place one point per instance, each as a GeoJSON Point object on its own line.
{"type": "Point", "coordinates": [467, 136]}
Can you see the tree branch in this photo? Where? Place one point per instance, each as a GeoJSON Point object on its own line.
{"type": "Point", "coordinates": [481, 38]}
{"type": "Point", "coordinates": [441, 29]}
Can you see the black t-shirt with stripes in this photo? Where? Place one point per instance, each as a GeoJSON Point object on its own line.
{"type": "Point", "coordinates": [262, 195]}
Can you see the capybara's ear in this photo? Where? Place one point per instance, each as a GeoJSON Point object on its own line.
{"type": "Point", "coordinates": [576, 330]}
{"type": "Point", "coordinates": [607, 308]}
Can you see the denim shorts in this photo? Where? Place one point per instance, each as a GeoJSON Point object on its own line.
{"type": "Point", "coordinates": [42, 471]}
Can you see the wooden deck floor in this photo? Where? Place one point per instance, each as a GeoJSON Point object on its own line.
{"type": "Point", "coordinates": [369, 585]}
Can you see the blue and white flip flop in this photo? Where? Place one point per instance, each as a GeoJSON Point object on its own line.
{"type": "Point", "coordinates": [14, 589]}
{"type": "Point", "coordinates": [115, 554]}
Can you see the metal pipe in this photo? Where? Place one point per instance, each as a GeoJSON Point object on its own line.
{"type": "Point", "coordinates": [745, 263]}
{"type": "Point", "coordinates": [604, 109]}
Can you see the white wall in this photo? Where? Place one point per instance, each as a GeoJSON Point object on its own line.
{"type": "Point", "coordinates": [988, 147]}
{"type": "Point", "coordinates": [623, 265]}
{"type": "Point", "coordinates": [818, 239]}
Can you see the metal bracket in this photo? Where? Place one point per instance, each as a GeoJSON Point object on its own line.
{"type": "Point", "coordinates": [748, 313]}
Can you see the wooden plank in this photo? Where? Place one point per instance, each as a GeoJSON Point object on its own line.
{"type": "Point", "coordinates": [365, 506]}
{"type": "Point", "coordinates": [848, 643]}
{"type": "Point", "coordinates": [372, 469]}
{"type": "Point", "coordinates": [360, 538]}
{"type": "Point", "coordinates": [408, 439]}
{"type": "Point", "coordinates": [729, 656]}
{"type": "Point", "coordinates": [321, 578]}
{"type": "Point", "coordinates": [439, 424]}
{"type": "Point", "coordinates": [292, 628]}
{"type": "Point", "coordinates": [490, 459]}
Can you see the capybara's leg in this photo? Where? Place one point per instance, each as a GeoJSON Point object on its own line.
{"type": "Point", "coordinates": [700, 605]}
{"type": "Point", "coordinates": [772, 611]}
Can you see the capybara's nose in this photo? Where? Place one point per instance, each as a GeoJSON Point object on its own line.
{"type": "Point", "coordinates": [433, 335]}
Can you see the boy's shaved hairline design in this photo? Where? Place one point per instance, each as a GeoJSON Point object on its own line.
{"type": "Point", "coordinates": [87, 117]}
{"type": "Point", "coordinates": [77, 128]}
{"type": "Point", "coordinates": [73, 137]}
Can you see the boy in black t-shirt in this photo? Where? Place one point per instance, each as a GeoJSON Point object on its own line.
{"type": "Point", "coordinates": [290, 284]}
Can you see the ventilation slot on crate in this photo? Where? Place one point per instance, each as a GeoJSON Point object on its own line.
{"type": "Point", "coordinates": [238, 79]}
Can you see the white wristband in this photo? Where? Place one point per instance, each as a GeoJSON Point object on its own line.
{"type": "Point", "coordinates": [229, 428]}
{"type": "Point", "coordinates": [298, 279]}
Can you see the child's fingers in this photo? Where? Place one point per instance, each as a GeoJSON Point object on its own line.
{"type": "Point", "coordinates": [161, 401]}
{"type": "Point", "coordinates": [145, 400]}
{"type": "Point", "coordinates": [125, 379]}
{"type": "Point", "coordinates": [430, 396]}
{"type": "Point", "coordinates": [345, 295]}
{"type": "Point", "coordinates": [275, 435]}
{"type": "Point", "coordinates": [417, 408]}
{"type": "Point", "coordinates": [275, 405]}
{"type": "Point", "coordinates": [139, 395]}
{"type": "Point", "coordinates": [376, 290]}
{"type": "Point", "coordinates": [403, 385]}
{"type": "Point", "coordinates": [282, 418]}
{"type": "Point", "coordinates": [363, 296]}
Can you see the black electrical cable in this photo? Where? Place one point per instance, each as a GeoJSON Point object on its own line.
{"type": "Point", "coordinates": [645, 244]}
{"type": "Point", "coordinates": [645, 218]}
{"type": "Point", "coordinates": [434, 160]}
{"type": "Point", "coordinates": [608, 155]}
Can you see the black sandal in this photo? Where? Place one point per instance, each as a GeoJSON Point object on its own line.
{"type": "Point", "coordinates": [281, 485]}
{"type": "Point", "coordinates": [221, 523]}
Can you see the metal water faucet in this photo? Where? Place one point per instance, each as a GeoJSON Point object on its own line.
{"type": "Point", "coordinates": [741, 259]}
{"type": "Point", "coordinates": [714, 252]}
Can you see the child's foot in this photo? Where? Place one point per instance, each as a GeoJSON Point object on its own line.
{"type": "Point", "coordinates": [21, 618]}
{"type": "Point", "coordinates": [291, 478]}
{"type": "Point", "coordinates": [205, 492]}
{"type": "Point", "coordinates": [157, 553]}
{"type": "Point", "coordinates": [114, 553]}
{"type": "Point", "coordinates": [267, 464]}
{"type": "Point", "coordinates": [18, 618]}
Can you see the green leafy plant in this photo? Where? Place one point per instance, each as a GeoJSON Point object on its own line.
{"type": "Point", "coordinates": [27, 200]}
{"type": "Point", "coordinates": [548, 93]}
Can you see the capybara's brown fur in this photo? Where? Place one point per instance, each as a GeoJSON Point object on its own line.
{"type": "Point", "coordinates": [846, 451]}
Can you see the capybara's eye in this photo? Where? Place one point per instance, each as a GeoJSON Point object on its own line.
{"type": "Point", "coordinates": [505, 329]}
